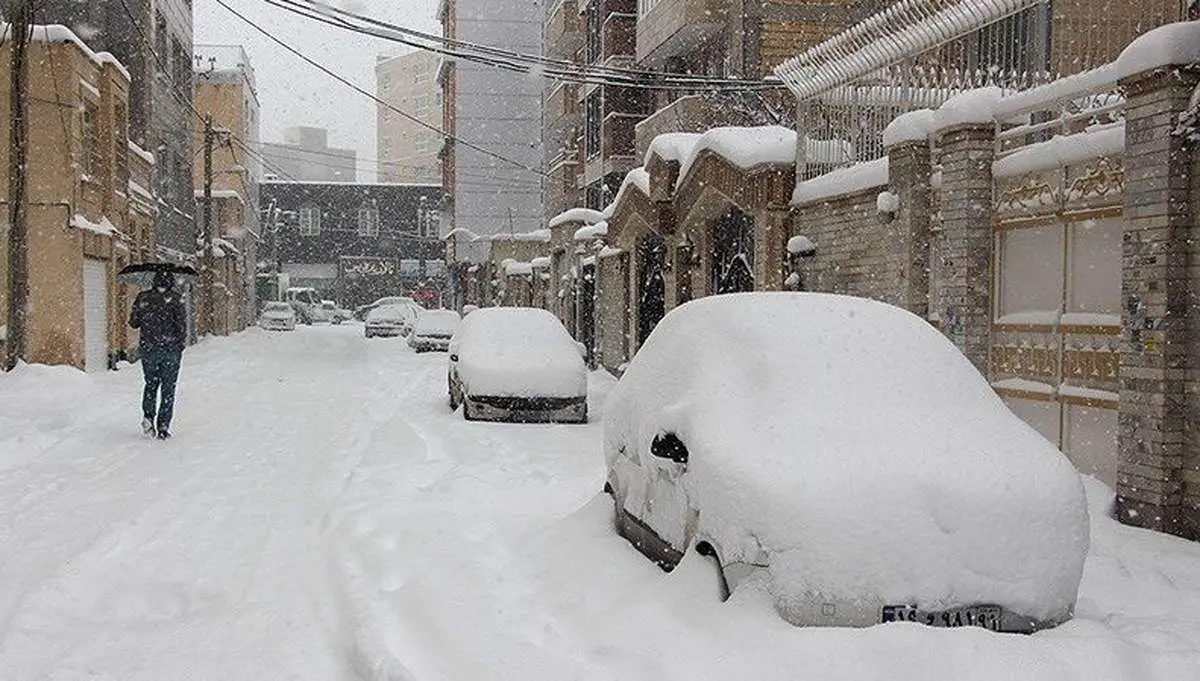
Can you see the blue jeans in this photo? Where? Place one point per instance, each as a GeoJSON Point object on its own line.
{"type": "Point", "coordinates": [161, 368]}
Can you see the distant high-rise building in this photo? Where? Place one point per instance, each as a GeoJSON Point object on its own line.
{"type": "Point", "coordinates": [153, 39]}
{"type": "Point", "coordinates": [408, 151]}
{"type": "Point", "coordinates": [495, 110]}
{"type": "Point", "coordinates": [305, 155]}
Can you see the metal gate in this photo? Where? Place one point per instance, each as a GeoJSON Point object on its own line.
{"type": "Point", "coordinates": [95, 315]}
{"type": "Point", "coordinates": [651, 285]}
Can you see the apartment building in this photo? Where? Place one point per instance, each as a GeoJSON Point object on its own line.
{"type": "Point", "coordinates": [304, 155]}
{"type": "Point", "coordinates": [407, 151]}
{"type": "Point", "coordinates": [496, 110]}
{"type": "Point", "coordinates": [89, 212]}
{"type": "Point", "coordinates": [153, 40]}
{"type": "Point", "coordinates": [562, 131]}
{"type": "Point", "coordinates": [226, 90]}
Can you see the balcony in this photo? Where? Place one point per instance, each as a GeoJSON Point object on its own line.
{"type": "Point", "coordinates": [674, 27]}
{"type": "Point", "coordinates": [563, 34]}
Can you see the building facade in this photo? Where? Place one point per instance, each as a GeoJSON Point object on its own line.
{"type": "Point", "coordinates": [226, 90]}
{"type": "Point", "coordinates": [155, 45]}
{"type": "Point", "coordinates": [408, 151]}
{"type": "Point", "coordinates": [89, 212]}
{"type": "Point", "coordinates": [495, 110]}
{"type": "Point", "coordinates": [355, 242]}
{"type": "Point", "coordinates": [304, 155]}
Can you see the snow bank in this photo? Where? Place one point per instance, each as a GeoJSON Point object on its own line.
{"type": "Point", "coordinates": [1170, 45]}
{"type": "Point", "coordinates": [1096, 142]}
{"type": "Point", "coordinates": [973, 107]}
{"type": "Point", "coordinates": [518, 351]}
{"type": "Point", "coordinates": [913, 126]}
{"type": "Point", "coordinates": [585, 215]}
{"type": "Point", "coordinates": [820, 432]}
{"type": "Point", "coordinates": [744, 147]}
{"type": "Point", "coordinates": [852, 180]}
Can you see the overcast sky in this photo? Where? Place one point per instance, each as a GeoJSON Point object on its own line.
{"type": "Point", "coordinates": [292, 92]}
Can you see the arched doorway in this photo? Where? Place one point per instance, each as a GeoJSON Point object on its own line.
{"type": "Point", "coordinates": [733, 253]}
{"type": "Point", "coordinates": [651, 285]}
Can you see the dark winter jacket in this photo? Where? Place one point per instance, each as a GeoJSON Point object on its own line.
{"type": "Point", "coordinates": [161, 319]}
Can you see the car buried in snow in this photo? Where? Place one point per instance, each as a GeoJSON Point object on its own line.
{"type": "Point", "coordinates": [277, 316]}
{"type": "Point", "coordinates": [842, 455]}
{"type": "Point", "coordinates": [516, 364]}
{"type": "Point", "coordinates": [388, 320]}
{"type": "Point", "coordinates": [433, 330]}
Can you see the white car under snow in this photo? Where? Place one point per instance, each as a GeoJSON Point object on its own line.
{"type": "Point", "coordinates": [277, 316]}
{"type": "Point", "coordinates": [843, 455]}
{"type": "Point", "coordinates": [516, 364]}
{"type": "Point", "coordinates": [433, 330]}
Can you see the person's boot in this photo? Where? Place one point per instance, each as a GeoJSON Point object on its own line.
{"type": "Point", "coordinates": [147, 426]}
{"type": "Point", "coordinates": [163, 434]}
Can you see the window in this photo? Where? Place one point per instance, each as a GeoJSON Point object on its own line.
{"type": "Point", "coordinates": [595, 26]}
{"type": "Point", "coordinates": [591, 114]}
{"type": "Point", "coordinates": [160, 37]}
{"type": "Point", "coordinates": [310, 221]}
{"type": "Point", "coordinates": [182, 64]}
{"type": "Point", "coordinates": [368, 221]}
{"type": "Point", "coordinates": [121, 146]}
{"type": "Point", "coordinates": [91, 139]}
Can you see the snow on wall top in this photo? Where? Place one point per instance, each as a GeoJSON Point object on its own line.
{"type": "Point", "coordinates": [57, 33]}
{"type": "Point", "coordinates": [671, 146]}
{"type": "Point", "coordinates": [744, 147]}
{"type": "Point", "coordinates": [1017, 103]}
{"type": "Point", "coordinates": [591, 231]}
{"type": "Point", "coordinates": [854, 179]}
{"type": "Point", "coordinates": [463, 232]}
{"type": "Point", "coordinates": [1096, 142]}
{"type": "Point", "coordinates": [584, 215]}
{"type": "Point", "coordinates": [1173, 44]}
{"type": "Point", "coordinates": [969, 108]}
{"type": "Point", "coordinates": [638, 177]}
{"type": "Point", "coordinates": [535, 235]}
{"type": "Point", "coordinates": [141, 153]}
{"type": "Point", "coordinates": [914, 126]}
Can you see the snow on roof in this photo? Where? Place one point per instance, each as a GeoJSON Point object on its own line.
{"type": "Point", "coordinates": [638, 177]}
{"type": "Point", "coordinates": [591, 231]}
{"type": "Point", "coordinates": [790, 470]}
{"type": "Point", "coordinates": [515, 268]}
{"type": "Point", "coordinates": [57, 33]}
{"type": "Point", "coordinates": [671, 146]}
{"type": "Point", "coordinates": [913, 126]}
{"type": "Point", "coordinates": [535, 235]}
{"type": "Point", "coordinates": [461, 231]}
{"type": "Point", "coordinates": [222, 194]}
{"type": "Point", "coordinates": [744, 147]}
{"type": "Point", "coordinates": [141, 153]}
{"type": "Point", "coordinates": [852, 180]}
{"type": "Point", "coordinates": [1173, 44]}
{"type": "Point", "coordinates": [105, 226]}
{"type": "Point", "coordinates": [520, 351]}
{"type": "Point", "coordinates": [584, 215]}
{"type": "Point", "coordinates": [543, 261]}
{"type": "Point", "coordinates": [608, 252]}
{"type": "Point", "coordinates": [226, 246]}
{"type": "Point", "coordinates": [971, 107]}
{"type": "Point", "coordinates": [1096, 142]}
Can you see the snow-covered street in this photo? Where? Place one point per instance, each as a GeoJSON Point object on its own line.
{"type": "Point", "coordinates": [321, 514]}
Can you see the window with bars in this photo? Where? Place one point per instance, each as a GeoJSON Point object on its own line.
{"type": "Point", "coordinates": [592, 120]}
{"type": "Point", "coordinates": [368, 221]}
{"type": "Point", "coordinates": [595, 25]}
{"type": "Point", "coordinates": [91, 139]}
{"type": "Point", "coordinates": [310, 221]}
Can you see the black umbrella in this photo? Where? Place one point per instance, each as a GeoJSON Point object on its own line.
{"type": "Point", "coordinates": [143, 273]}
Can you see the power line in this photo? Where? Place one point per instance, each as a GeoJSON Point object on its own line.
{"type": "Point", "coordinates": [363, 92]}
{"type": "Point", "coordinates": [558, 69]}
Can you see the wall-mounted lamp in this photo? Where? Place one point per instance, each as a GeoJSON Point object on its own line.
{"type": "Point", "coordinates": [887, 205]}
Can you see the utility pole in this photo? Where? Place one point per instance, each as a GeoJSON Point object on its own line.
{"type": "Point", "coordinates": [18, 267]}
{"type": "Point", "coordinates": [208, 262]}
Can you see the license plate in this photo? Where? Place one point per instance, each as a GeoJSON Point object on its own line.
{"type": "Point", "coordinates": [986, 616]}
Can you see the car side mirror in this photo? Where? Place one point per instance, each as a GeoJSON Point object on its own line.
{"type": "Point", "coordinates": [669, 446]}
{"type": "Point", "coordinates": [453, 358]}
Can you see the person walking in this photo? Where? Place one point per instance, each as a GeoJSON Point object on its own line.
{"type": "Point", "coordinates": [159, 316]}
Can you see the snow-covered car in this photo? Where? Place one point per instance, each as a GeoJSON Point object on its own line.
{"type": "Point", "coordinates": [362, 311]}
{"type": "Point", "coordinates": [335, 314]}
{"type": "Point", "coordinates": [842, 454]}
{"type": "Point", "coordinates": [516, 364]}
{"type": "Point", "coordinates": [277, 316]}
{"type": "Point", "coordinates": [389, 320]}
{"type": "Point", "coordinates": [306, 303]}
{"type": "Point", "coordinates": [433, 330]}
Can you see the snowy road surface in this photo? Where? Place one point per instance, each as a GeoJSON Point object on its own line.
{"type": "Point", "coordinates": [320, 514]}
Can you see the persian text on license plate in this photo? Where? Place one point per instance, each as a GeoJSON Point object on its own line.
{"type": "Point", "coordinates": [986, 616]}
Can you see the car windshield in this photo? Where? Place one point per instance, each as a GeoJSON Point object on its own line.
{"type": "Point", "coordinates": [388, 313]}
{"type": "Point", "coordinates": [278, 307]}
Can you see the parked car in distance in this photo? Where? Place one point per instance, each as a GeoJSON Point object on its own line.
{"type": "Point", "coordinates": [388, 320]}
{"type": "Point", "coordinates": [335, 314]}
{"type": "Point", "coordinates": [844, 456]}
{"type": "Point", "coordinates": [307, 304]}
{"type": "Point", "coordinates": [516, 364]}
{"type": "Point", "coordinates": [433, 330]}
{"type": "Point", "coordinates": [277, 316]}
{"type": "Point", "coordinates": [361, 311]}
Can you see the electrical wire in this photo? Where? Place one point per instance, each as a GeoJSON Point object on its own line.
{"type": "Point", "coordinates": [558, 69]}
{"type": "Point", "coordinates": [356, 88]}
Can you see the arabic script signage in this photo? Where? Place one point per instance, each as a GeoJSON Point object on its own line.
{"type": "Point", "coordinates": [368, 267]}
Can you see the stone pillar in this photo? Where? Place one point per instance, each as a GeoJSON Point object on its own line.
{"type": "Point", "coordinates": [770, 248]}
{"type": "Point", "coordinates": [1158, 467]}
{"type": "Point", "coordinates": [965, 296]}
{"type": "Point", "coordinates": [909, 171]}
